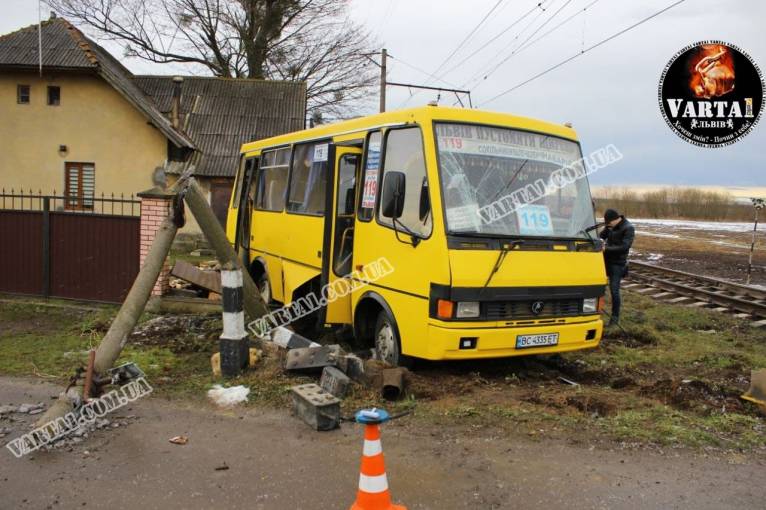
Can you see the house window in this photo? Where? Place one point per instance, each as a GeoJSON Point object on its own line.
{"type": "Point", "coordinates": [272, 180]}
{"type": "Point", "coordinates": [54, 95]}
{"type": "Point", "coordinates": [80, 185]}
{"type": "Point", "coordinates": [308, 179]}
{"type": "Point", "coordinates": [22, 94]}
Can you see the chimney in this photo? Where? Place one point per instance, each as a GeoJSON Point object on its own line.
{"type": "Point", "coordinates": [175, 107]}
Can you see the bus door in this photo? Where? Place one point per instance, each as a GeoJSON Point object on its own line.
{"type": "Point", "coordinates": [347, 162]}
{"type": "Point", "coordinates": [244, 218]}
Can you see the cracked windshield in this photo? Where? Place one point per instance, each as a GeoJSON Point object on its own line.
{"type": "Point", "coordinates": [484, 166]}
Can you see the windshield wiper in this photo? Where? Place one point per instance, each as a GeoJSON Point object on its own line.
{"type": "Point", "coordinates": [504, 249]}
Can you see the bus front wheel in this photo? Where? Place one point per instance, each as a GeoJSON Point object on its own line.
{"type": "Point", "coordinates": [387, 344]}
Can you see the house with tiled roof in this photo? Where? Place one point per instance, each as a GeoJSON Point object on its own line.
{"type": "Point", "coordinates": [75, 121]}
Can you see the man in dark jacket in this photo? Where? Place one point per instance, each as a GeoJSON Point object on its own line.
{"type": "Point", "coordinates": [618, 237]}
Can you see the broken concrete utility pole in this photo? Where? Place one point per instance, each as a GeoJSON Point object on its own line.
{"type": "Point", "coordinates": [115, 339]}
{"type": "Point", "coordinates": [211, 227]}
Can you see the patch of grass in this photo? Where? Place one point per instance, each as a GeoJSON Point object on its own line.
{"type": "Point", "coordinates": [666, 426]}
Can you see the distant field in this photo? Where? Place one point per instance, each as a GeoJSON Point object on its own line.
{"type": "Point", "coordinates": [736, 192]}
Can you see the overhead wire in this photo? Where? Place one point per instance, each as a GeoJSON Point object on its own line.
{"type": "Point", "coordinates": [525, 41]}
{"type": "Point", "coordinates": [468, 37]}
{"type": "Point", "coordinates": [490, 63]}
{"type": "Point", "coordinates": [584, 51]}
{"type": "Point", "coordinates": [459, 46]}
{"type": "Point", "coordinates": [496, 37]}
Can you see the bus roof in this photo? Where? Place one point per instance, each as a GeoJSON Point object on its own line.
{"type": "Point", "coordinates": [418, 114]}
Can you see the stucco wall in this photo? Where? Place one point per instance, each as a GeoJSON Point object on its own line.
{"type": "Point", "coordinates": [95, 123]}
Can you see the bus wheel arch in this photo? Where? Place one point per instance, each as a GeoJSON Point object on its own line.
{"type": "Point", "coordinates": [371, 313]}
{"type": "Point", "coordinates": [261, 278]}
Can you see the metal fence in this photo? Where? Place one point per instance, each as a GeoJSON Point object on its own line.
{"type": "Point", "coordinates": [53, 245]}
{"type": "Point", "coordinates": [110, 205]}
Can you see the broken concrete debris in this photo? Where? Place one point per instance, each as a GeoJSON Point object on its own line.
{"type": "Point", "coordinates": [316, 407]}
{"type": "Point", "coordinates": [393, 383]}
{"type": "Point", "coordinates": [334, 381]}
{"type": "Point", "coordinates": [313, 357]}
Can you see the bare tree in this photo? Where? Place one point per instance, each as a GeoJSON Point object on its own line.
{"type": "Point", "coordinates": [295, 40]}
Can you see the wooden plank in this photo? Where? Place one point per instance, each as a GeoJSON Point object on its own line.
{"type": "Point", "coordinates": [209, 280]}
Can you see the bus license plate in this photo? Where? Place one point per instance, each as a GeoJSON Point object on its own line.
{"type": "Point", "coordinates": [546, 339]}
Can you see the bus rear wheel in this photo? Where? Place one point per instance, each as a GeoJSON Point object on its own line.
{"type": "Point", "coordinates": [387, 344]}
{"type": "Point", "coordinates": [264, 288]}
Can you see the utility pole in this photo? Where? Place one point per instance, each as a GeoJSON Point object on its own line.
{"type": "Point", "coordinates": [383, 56]}
{"type": "Point", "coordinates": [758, 204]}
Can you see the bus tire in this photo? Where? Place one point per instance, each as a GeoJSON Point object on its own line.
{"type": "Point", "coordinates": [264, 287]}
{"type": "Point", "coordinates": [387, 343]}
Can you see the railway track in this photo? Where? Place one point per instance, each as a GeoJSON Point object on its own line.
{"type": "Point", "coordinates": [679, 287]}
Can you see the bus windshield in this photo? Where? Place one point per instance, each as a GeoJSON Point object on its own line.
{"type": "Point", "coordinates": [498, 181]}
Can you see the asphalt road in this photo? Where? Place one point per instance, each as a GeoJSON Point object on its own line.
{"type": "Point", "coordinates": [276, 462]}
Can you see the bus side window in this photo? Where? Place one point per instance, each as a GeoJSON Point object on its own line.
{"type": "Point", "coordinates": [369, 184]}
{"type": "Point", "coordinates": [404, 153]}
{"type": "Point", "coordinates": [308, 179]}
{"type": "Point", "coordinates": [271, 182]}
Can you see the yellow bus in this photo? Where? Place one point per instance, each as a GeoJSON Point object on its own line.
{"type": "Point", "coordinates": [436, 192]}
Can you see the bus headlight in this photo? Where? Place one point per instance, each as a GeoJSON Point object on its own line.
{"type": "Point", "coordinates": [467, 309]}
{"type": "Point", "coordinates": [590, 305]}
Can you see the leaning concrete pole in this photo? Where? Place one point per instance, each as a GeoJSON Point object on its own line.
{"type": "Point", "coordinates": [115, 339]}
{"type": "Point", "coordinates": [211, 227]}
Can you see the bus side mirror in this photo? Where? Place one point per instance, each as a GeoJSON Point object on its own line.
{"type": "Point", "coordinates": [392, 198]}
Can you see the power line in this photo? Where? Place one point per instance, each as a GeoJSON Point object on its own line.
{"type": "Point", "coordinates": [470, 34]}
{"type": "Point", "coordinates": [505, 30]}
{"type": "Point", "coordinates": [521, 46]}
{"type": "Point", "coordinates": [490, 63]}
{"type": "Point", "coordinates": [424, 73]}
{"type": "Point", "coordinates": [570, 18]}
{"type": "Point", "coordinates": [583, 52]}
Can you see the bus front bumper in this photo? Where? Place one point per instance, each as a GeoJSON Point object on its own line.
{"type": "Point", "coordinates": [446, 342]}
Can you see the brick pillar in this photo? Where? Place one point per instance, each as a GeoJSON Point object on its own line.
{"type": "Point", "coordinates": [155, 207]}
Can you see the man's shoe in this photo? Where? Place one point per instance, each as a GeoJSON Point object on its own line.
{"type": "Point", "coordinates": [613, 322]}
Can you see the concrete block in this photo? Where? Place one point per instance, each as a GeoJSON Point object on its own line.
{"type": "Point", "coordinates": [334, 381]}
{"type": "Point", "coordinates": [353, 366]}
{"type": "Point", "coordinates": [313, 357]}
{"type": "Point", "coordinates": [317, 408]}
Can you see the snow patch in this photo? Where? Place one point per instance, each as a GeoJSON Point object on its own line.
{"type": "Point", "coordinates": [725, 226]}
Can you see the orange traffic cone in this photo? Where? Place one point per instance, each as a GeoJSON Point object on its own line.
{"type": "Point", "coordinates": [373, 491]}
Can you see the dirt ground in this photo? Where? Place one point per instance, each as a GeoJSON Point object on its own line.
{"type": "Point", "coordinates": [652, 418]}
{"type": "Point", "coordinates": [273, 461]}
{"type": "Point", "coordinates": [702, 248]}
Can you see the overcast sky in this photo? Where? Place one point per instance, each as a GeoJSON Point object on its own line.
{"type": "Point", "coordinates": [609, 94]}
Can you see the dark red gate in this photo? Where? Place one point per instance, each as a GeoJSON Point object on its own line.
{"type": "Point", "coordinates": [88, 253]}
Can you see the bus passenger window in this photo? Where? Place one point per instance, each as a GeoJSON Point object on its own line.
{"type": "Point", "coordinates": [272, 180]}
{"type": "Point", "coordinates": [404, 153]}
{"type": "Point", "coordinates": [369, 182]}
{"type": "Point", "coordinates": [308, 179]}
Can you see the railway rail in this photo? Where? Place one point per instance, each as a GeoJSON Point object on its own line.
{"type": "Point", "coordinates": [679, 287]}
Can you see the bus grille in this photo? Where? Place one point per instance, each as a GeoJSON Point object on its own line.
{"type": "Point", "coordinates": [509, 310]}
